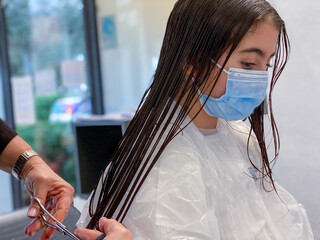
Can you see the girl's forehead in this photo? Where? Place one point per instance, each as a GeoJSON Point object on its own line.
{"type": "Point", "coordinates": [262, 36]}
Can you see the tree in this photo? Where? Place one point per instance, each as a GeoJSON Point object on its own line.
{"type": "Point", "coordinates": [18, 25]}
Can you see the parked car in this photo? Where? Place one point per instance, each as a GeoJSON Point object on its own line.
{"type": "Point", "coordinates": [64, 109]}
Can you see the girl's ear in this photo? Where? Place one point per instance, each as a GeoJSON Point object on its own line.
{"type": "Point", "coordinates": [189, 68]}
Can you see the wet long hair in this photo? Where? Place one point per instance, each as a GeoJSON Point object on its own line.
{"type": "Point", "coordinates": [197, 31]}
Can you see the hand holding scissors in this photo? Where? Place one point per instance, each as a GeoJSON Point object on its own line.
{"type": "Point", "coordinates": [49, 188]}
{"type": "Point", "coordinates": [49, 221]}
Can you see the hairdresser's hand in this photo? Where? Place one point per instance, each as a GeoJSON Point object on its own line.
{"type": "Point", "coordinates": [55, 194]}
{"type": "Point", "coordinates": [111, 228]}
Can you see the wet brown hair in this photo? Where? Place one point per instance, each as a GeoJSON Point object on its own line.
{"type": "Point", "coordinates": [197, 31]}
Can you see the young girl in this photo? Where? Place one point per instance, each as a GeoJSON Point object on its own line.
{"type": "Point", "coordinates": [187, 166]}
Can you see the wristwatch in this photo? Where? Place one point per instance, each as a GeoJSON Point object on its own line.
{"type": "Point", "coordinates": [23, 158]}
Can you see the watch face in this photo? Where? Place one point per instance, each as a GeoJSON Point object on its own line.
{"type": "Point", "coordinates": [28, 154]}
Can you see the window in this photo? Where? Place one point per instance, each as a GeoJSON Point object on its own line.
{"type": "Point", "coordinates": [6, 194]}
{"type": "Point", "coordinates": [48, 76]}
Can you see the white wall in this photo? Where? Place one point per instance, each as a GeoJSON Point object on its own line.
{"type": "Point", "coordinates": [127, 69]}
{"type": "Point", "coordinates": [297, 110]}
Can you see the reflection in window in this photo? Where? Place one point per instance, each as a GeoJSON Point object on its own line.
{"type": "Point", "coordinates": [6, 194]}
{"type": "Point", "coordinates": [49, 84]}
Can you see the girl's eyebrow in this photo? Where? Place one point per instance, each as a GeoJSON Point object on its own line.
{"type": "Point", "coordinates": [256, 50]}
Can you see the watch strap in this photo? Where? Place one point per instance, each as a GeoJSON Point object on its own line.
{"type": "Point", "coordinates": [23, 158]}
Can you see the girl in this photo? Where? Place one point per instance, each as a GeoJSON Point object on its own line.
{"type": "Point", "coordinates": [187, 166]}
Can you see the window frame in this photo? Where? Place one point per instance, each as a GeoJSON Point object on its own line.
{"type": "Point", "coordinates": [93, 74]}
{"type": "Point", "coordinates": [93, 56]}
{"type": "Point", "coordinates": [7, 96]}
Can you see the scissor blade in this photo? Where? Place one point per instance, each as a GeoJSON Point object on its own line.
{"type": "Point", "coordinates": [65, 231]}
{"type": "Point", "coordinates": [46, 212]}
{"type": "Point", "coordinates": [59, 226]}
{"type": "Point", "coordinates": [71, 235]}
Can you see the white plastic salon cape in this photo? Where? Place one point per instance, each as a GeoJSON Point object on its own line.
{"type": "Point", "coordinates": [204, 187]}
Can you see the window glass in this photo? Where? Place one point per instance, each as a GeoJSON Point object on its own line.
{"type": "Point", "coordinates": [48, 76]}
{"type": "Point", "coordinates": [6, 203]}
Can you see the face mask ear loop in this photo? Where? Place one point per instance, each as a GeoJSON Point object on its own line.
{"type": "Point", "coordinates": [219, 66]}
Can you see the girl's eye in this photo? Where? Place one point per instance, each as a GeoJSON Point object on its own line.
{"type": "Point", "coordinates": [248, 65]}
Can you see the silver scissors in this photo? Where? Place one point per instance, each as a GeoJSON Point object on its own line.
{"type": "Point", "coordinates": [58, 225]}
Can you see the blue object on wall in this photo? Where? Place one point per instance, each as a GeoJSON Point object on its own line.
{"type": "Point", "coordinates": [109, 32]}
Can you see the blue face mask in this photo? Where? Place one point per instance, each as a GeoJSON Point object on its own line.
{"type": "Point", "coordinates": [246, 89]}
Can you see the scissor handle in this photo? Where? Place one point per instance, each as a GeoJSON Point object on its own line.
{"type": "Point", "coordinates": [46, 211]}
{"type": "Point", "coordinates": [59, 226]}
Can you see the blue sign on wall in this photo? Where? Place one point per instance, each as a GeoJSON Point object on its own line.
{"type": "Point", "coordinates": [109, 32]}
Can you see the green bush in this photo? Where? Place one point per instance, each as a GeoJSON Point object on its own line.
{"type": "Point", "coordinates": [43, 105]}
{"type": "Point", "coordinates": [53, 141]}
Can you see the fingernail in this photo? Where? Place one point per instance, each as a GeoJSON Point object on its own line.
{"type": "Point", "coordinates": [32, 212]}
